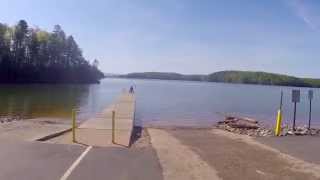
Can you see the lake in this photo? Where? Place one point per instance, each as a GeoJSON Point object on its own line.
{"type": "Point", "coordinates": [159, 102]}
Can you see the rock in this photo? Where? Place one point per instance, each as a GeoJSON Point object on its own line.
{"type": "Point", "coordinates": [229, 119]}
{"type": "Point", "coordinates": [300, 131]}
{"type": "Point", "coordinates": [245, 126]}
{"type": "Point", "coordinates": [253, 128]}
{"type": "Point", "coordinates": [240, 122]}
{"type": "Point", "coordinates": [284, 131]}
{"type": "Point", "coordinates": [264, 132]}
{"type": "Point", "coordinates": [10, 119]}
{"type": "Point", "coordinates": [290, 132]}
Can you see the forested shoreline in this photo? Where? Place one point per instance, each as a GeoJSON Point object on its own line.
{"type": "Point", "coordinates": [237, 77]}
{"type": "Point", "coordinates": [32, 55]}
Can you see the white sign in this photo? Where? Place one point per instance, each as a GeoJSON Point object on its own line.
{"type": "Point", "coordinates": [310, 94]}
{"type": "Point", "coordinates": [296, 96]}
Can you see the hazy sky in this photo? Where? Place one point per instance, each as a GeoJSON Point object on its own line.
{"type": "Point", "coordinates": [185, 36]}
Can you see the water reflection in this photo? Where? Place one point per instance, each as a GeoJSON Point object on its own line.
{"type": "Point", "coordinates": [158, 102]}
{"type": "Point", "coordinates": [32, 101]}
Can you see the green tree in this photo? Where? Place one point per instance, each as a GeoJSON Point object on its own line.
{"type": "Point", "coordinates": [4, 44]}
{"type": "Point", "coordinates": [19, 41]}
{"type": "Point", "coordinates": [34, 55]}
{"type": "Point", "coordinates": [95, 63]}
{"type": "Point", "coordinates": [73, 52]}
{"type": "Point", "coordinates": [33, 48]}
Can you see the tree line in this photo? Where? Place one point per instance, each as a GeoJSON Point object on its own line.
{"type": "Point", "coordinates": [32, 55]}
{"type": "Point", "coordinates": [240, 77]}
{"type": "Point", "coordinates": [263, 78]}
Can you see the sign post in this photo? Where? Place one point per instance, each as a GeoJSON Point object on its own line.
{"type": "Point", "coordinates": [295, 100]}
{"type": "Point", "coordinates": [310, 97]}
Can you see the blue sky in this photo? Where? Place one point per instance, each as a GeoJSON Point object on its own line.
{"type": "Point", "coordinates": [185, 36]}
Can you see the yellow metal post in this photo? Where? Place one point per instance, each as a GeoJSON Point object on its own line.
{"type": "Point", "coordinates": [73, 126]}
{"type": "Point", "coordinates": [279, 118]}
{"type": "Point", "coordinates": [113, 127]}
{"type": "Point", "coordinates": [278, 125]}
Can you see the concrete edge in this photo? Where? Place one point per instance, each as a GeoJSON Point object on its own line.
{"type": "Point", "coordinates": [53, 135]}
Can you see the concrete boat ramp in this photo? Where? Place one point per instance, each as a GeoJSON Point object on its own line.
{"type": "Point", "coordinates": [93, 156]}
{"type": "Point", "coordinates": [98, 131]}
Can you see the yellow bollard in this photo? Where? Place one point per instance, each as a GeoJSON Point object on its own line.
{"type": "Point", "coordinates": [278, 125]}
{"type": "Point", "coordinates": [113, 127]}
{"type": "Point", "coordinates": [73, 126]}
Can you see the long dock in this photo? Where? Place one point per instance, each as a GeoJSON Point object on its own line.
{"type": "Point", "coordinates": [97, 131]}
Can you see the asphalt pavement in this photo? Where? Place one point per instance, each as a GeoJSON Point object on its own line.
{"type": "Point", "coordinates": [235, 159]}
{"type": "Point", "coordinates": [45, 161]}
{"type": "Point", "coordinates": [35, 160]}
{"type": "Point", "coordinates": [118, 163]}
{"type": "Point", "coordinates": [231, 158]}
{"type": "Point", "coordinates": [306, 148]}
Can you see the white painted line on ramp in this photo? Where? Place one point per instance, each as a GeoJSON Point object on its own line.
{"type": "Point", "coordinates": [75, 164]}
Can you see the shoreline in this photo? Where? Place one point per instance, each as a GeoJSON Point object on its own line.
{"type": "Point", "coordinates": [59, 126]}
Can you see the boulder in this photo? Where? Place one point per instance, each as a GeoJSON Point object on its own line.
{"type": "Point", "coordinates": [236, 122]}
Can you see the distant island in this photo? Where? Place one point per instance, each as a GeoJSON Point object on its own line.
{"type": "Point", "coordinates": [240, 77]}
{"type": "Point", "coordinates": [32, 55]}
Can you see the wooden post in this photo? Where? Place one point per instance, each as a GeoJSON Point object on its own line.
{"type": "Point", "coordinates": [73, 126]}
{"type": "Point", "coordinates": [113, 127]}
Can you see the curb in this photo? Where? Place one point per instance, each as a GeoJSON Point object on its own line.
{"type": "Point", "coordinates": [50, 136]}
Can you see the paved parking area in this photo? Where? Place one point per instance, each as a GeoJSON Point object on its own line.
{"type": "Point", "coordinates": [306, 148]}
{"type": "Point", "coordinates": [118, 163]}
{"type": "Point", "coordinates": [236, 157]}
{"type": "Point", "coordinates": [45, 161]}
{"type": "Point", "coordinates": [35, 160]}
{"type": "Point", "coordinates": [230, 157]}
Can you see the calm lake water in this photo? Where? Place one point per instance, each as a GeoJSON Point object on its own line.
{"type": "Point", "coordinates": [159, 103]}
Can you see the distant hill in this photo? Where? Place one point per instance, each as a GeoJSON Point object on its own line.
{"type": "Point", "coordinates": [240, 77]}
{"type": "Point", "coordinates": [165, 76]}
{"type": "Point", "coordinates": [110, 75]}
{"type": "Point", "coordinates": [249, 77]}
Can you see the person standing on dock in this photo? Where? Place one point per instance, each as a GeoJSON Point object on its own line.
{"type": "Point", "coordinates": [131, 90]}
